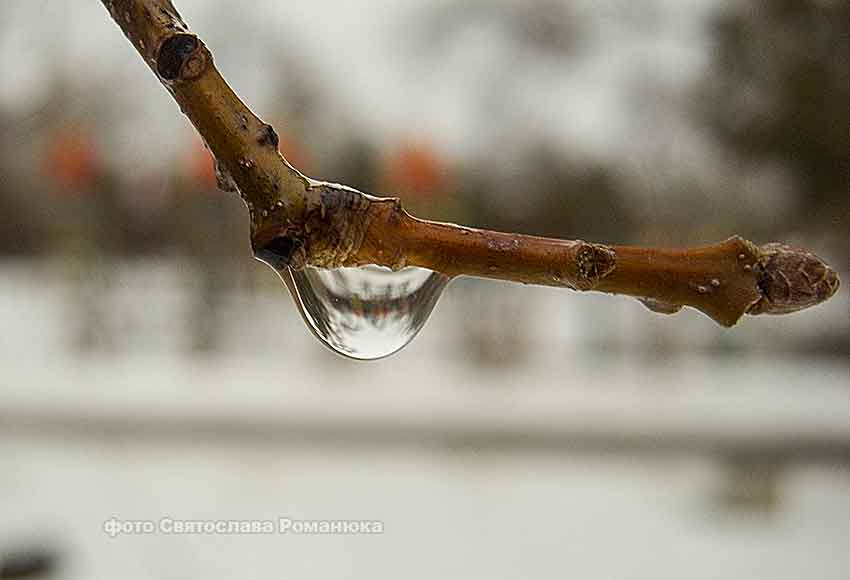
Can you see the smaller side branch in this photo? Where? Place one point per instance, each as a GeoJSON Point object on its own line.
{"type": "Point", "coordinates": [245, 149]}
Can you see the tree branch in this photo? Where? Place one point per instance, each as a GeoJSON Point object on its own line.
{"type": "Point", "coordinates": [298, 221]}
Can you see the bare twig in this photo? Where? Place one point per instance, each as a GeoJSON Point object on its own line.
{"type": "Point", "coordinates": [307, 222]}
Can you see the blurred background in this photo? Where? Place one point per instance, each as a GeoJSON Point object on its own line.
{"type": "Point", "coordinates": [151, 368]}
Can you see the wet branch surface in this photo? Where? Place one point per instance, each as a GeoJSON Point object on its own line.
{"type": "Point", "coordinates": [297, 221]}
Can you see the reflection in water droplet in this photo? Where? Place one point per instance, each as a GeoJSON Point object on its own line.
{"type": "Point", "coordinates": [363, 313]}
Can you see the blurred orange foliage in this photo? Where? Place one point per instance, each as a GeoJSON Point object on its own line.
{"type": "Point", "coordinates": [71, 159]}
{"type": "Point", "coordinates": [414, 169]}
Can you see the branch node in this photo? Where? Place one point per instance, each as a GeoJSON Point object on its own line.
{"type": "Point", "coordinates": [268, 137]}
{"type": "Point", "coordinates": [181, 57]}
{"type": "Point", "coordinates": [593, 262]}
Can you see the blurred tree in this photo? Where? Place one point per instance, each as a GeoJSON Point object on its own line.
{"type": "Point", "coordinates": [551, 194]}
{"type": "Point", "coordinates": [778, 92]}
{"type": "Point", "coordinates": [356, 163]}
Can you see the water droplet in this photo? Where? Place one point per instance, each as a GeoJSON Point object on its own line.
{"type": "Point", "coordinates": [659, 306]}
{"type": "Point", "coordinates": [362, 313]}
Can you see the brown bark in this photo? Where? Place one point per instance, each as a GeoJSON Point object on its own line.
{"type": "Point", "coordinates": [307, 222]}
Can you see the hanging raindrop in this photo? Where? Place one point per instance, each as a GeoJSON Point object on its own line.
{"type": "Point", "coordinates": [363, 313]}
